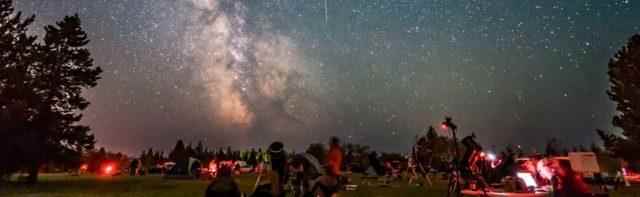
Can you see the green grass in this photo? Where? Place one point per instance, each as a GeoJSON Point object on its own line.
{"type": "Point", "coordinates": [124, 186]}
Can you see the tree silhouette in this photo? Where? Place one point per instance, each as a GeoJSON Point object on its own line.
{"type": "Point", "coordinates": [199, 151]}
{"type": "Point", "coordinates": [552, 148]}
{"type": "Point", "coordinates": [15, 45]}
{"type": "Point", "coordinates": [147, 160]}
{"type": "Point", "coordinates": [624, 72]}
{"type": "Point", "coordinates": [42, 84]}
{"type": "Point", "coordinates": [190, 151]}
{"type": "Point", "coordinates": [180, 157]}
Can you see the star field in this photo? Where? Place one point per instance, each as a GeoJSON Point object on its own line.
{"type": "Point", "coordinates": [245, 73]}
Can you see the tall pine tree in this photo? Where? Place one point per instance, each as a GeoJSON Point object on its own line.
{"type": "Point", "coordinates": [65, 68]}
{"type": "Point", "coordinates": [16, 59]}
{"type": "Point", "coordinates": [41, 88]}
{"type": "Point", "coordinates": [624, 80]}
{"type": "Point", "coordinates": [180, 156]}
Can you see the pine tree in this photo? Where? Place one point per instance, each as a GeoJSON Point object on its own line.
{"type": "Point", "coordinates": [552, 147]}
{"type": "Point", "coordinates": [42, 84]}
{"type": "Point", "coordinates": [190, 151]}
{"type": "Point", "coordinates": [180, 157]}
{"type": "Point", "coordinates": [199, 151]}
{"type": "Point", "coordinates": [16, 47]}
{"type": "Point", "coordinates": [148, 161]}
{"type": "Point", "coordinates": [624, 72]}
{"type": "Point", "coordinates": [64, 70]}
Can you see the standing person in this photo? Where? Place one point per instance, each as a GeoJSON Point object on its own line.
{"type": "Point", "coordinates": [334, 157]}
{"type": "Point", "coordinates": [134, 168]}
{"type": "Point", "coordinates": [278, 158]}
{"type": "Point", "coordinates": [422, 156]}
{"type": "Point", "coordinates": [329, 184]}
{"type": "Point", "coordinates": [253, 161]}
{"type": "Point", "coordinates": [272, 178]}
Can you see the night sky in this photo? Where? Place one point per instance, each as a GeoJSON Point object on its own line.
{"type": "Point", "coordinates": [377, 72]}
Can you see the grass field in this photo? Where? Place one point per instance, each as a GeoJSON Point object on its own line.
{"type": "Point", "coordinates": [155, 186]}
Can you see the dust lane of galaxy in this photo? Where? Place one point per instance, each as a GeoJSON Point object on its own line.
{"type": "Point", "coordinates": [245, 73]}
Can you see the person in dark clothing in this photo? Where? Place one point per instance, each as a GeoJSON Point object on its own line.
{"type": "Point", "coordinates": [422, 154]}
{"type": "Point", "coordinates": [567, 183]}
{"type": "Point", "coordinates": [134, 167]}
{"type": "Point", "coordinates": [223, 185]}
{"type": "Point", "coordinates": [469, 165]}
{"type": "Point", "coordinates": [278, 158]}
{"type": "Point", "coordinates": [271, 180]}
{"type": "Point", "coordinates": [470, 156]}
{"type": "Point", "coordinates": [375, 163]}
{"type": "Point", "coordinates": [253, 160]}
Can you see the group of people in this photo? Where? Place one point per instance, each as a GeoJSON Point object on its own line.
{"type": "Point", "coordinates": [273, 178]}
{"type": "Point", "coordinates": [303, 175]}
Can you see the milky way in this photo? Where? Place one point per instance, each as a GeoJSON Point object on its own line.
{"type": "Point", "coordinates": [245, 73]}
{"type": "Point", "coordinates": [257, 81]}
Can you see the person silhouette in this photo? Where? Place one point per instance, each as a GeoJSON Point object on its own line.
{"type": "Point", "coordinates": [223, 185]}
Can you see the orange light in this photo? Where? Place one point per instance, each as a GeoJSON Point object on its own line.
{"type": "Point", "coordinates": [84, 167]}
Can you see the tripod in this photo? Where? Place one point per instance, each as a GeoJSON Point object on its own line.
{"type": "Point", "coordinates": [453, 188]}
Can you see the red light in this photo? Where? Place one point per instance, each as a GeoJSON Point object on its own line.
{"type": "Point", "coordinates": [495, 163]}
{"type": "Point", "coordinates": [108, 169]}
{"type": "Point", "coordinates": [543, 170]}
{"type": "Point", "coordinates": [443, 126]}
{"type": "Point", "coordinates": [527, 178]}
{"type": "Point", "coordinates": [212, 166]}
{"type": "Point", "coordinates": [84, 167]}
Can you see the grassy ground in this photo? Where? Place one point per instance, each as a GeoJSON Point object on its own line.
{"type": "Point", "coordinates": [91, 186]}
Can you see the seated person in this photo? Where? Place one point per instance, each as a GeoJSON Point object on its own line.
{"type": "Point", "coordinates": [223, 185]}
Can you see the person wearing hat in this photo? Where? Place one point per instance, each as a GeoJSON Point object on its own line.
{"type": "Point", "coordinates": [278, 158]}
{"type": "Point", "coordinates": [271, 180]}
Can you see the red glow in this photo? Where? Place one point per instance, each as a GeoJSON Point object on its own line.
{"type": "Point", "coordinates": [108, 170]}
{"type": "Point", "coordinates": [212, 166]}
{"type": "Point", "coordinates": [496, 163]}
{"type": "Point", "coordinates": [84, 167]}
{"type": "Point", "coordinates": [444, 126]}
{"type": "Point", "coordinates": [527, 178]}
{"type": "Point", "coordinates": [544, 170]}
